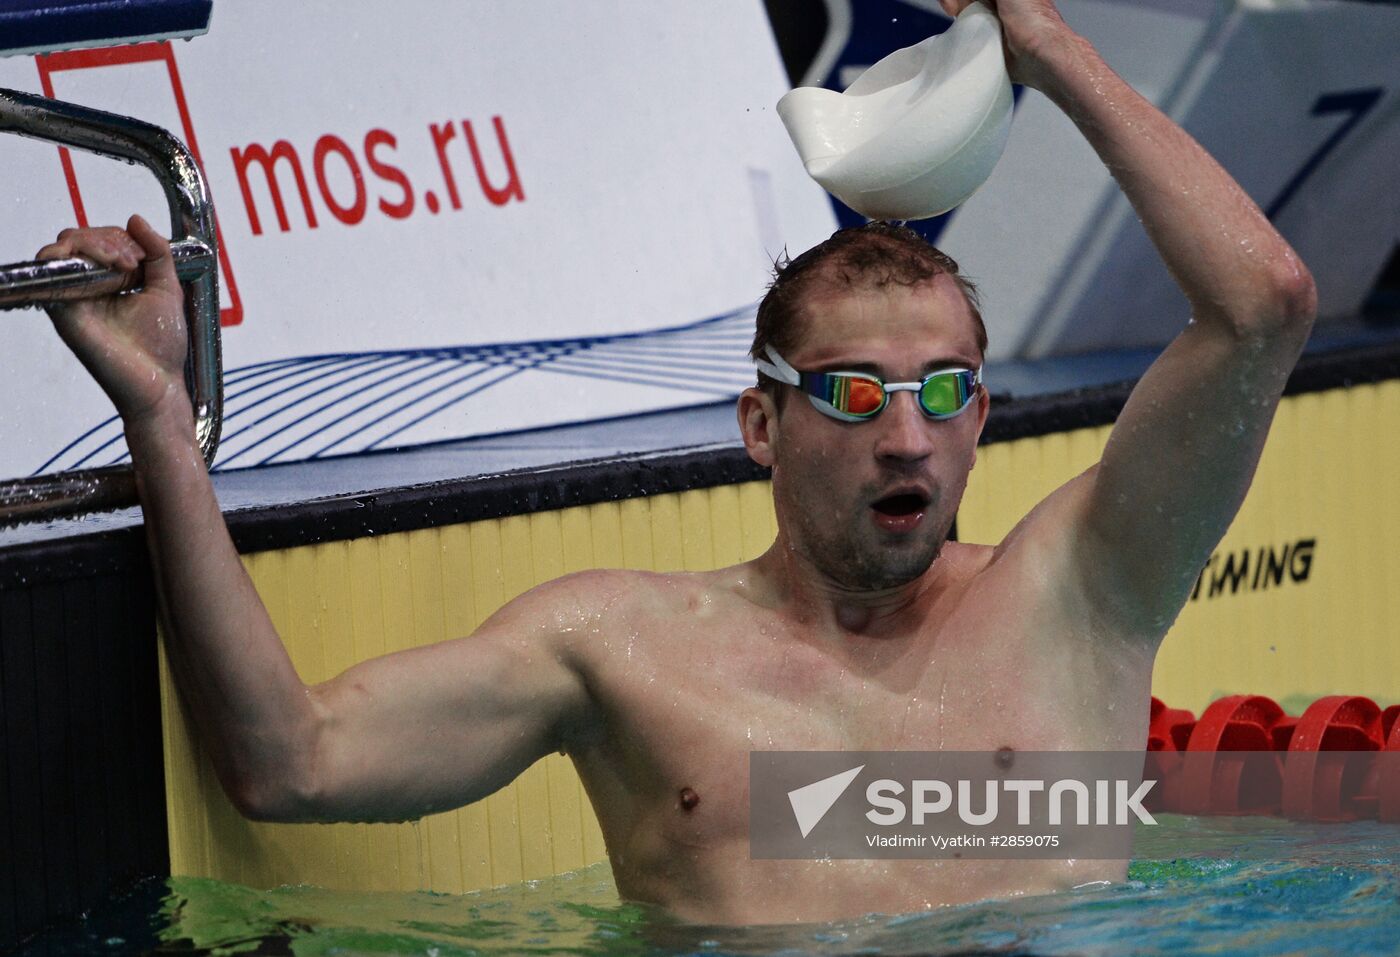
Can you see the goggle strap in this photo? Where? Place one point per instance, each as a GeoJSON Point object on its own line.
{"type": "Point", "coordinates": [778, 369]}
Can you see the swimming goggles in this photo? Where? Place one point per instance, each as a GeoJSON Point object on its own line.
{"type": "Point", "coordinates": [858, 396]}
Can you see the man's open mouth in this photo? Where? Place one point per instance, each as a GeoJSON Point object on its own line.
{"type": "Point", "coordinates": [905, 503]}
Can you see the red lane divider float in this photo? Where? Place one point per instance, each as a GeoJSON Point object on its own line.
{"type": "Point", "coordinates": [1338, 761]}
{"type": "Point", "coordinates": [1229, 777]}
{"type": "Point", "coordinates": [1322, 779]}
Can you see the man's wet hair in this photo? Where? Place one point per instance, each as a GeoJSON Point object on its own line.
{"type": "Point", "coordinates": [875, 255]}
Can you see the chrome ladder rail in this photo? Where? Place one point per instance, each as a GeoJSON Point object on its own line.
{"type": "Point", "coordinates": [194, 248]}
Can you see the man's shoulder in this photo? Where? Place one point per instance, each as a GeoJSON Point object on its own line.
{"type": "Point", "coordinates": [620, 592]}
{"type": "Point", "coordinates": [588, 611]}
{"type": "Point", "coordinates": [1031, 559]}
{"type": "Point", "coordinates": [967, 560]}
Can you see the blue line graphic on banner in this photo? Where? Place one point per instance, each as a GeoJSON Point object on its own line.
{"type": "Point", "coordinates": [307, 407]}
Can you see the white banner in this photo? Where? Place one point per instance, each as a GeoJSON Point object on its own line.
{"type": "Point", "coordinates": [481, 217]}
{"type": "Point", "coordinates": [438, 221]}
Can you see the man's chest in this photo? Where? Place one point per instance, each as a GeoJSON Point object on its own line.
{"type": "Point", "coordinates": [670, 777]}
{"type": "Point", "coordinates": [689, 713]}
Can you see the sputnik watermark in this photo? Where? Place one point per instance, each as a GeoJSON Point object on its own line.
{"type": "Point", "coordinates": [886, 796]}
{"type": "Point", "coordinates": [946, 804]}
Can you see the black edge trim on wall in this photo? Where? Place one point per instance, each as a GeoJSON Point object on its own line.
{"type": "Point", "coordinates": [96, 555]}
{"type": "Point", "coordinates": [490, 496]}
{"type": "Point", "coordinates": [587, 483]}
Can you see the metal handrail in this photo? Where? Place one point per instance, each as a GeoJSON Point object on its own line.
{"type": "Point", "coordinates": [195, 251]}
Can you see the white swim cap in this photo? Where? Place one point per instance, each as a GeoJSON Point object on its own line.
{"type": "Point", "coordinates": [918, 132]}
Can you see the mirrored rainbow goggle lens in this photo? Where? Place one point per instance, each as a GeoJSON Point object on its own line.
{"type": "Point", "coordinates": [942, 394]}
{"type": "Point", "coordinates": [947, 392]}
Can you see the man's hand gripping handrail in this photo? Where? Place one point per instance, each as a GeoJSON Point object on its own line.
{"type": "Point", "coordinates": [194, 250]}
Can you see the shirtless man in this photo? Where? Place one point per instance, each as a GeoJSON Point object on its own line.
{"type": "Point", "coordinates": [858, 629]}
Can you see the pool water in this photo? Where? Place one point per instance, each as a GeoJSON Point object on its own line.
{"type": "Point", "coordinates": [1197, 886]}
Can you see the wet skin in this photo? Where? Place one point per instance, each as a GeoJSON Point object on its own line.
{"type": "Point", "coordinates": [845, 635]}
{"type": "Point", "coordinates": [713, 674]}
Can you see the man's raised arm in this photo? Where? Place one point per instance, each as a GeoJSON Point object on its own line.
{"type": "Point", "coordinates": [1141, 524]}
{"type": "Point", "coordinates": [389, 739]}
